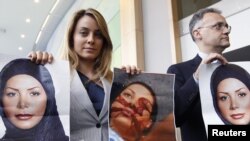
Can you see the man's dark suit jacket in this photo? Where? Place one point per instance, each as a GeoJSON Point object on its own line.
{"type": "Point", "coordinates": [187, 105]}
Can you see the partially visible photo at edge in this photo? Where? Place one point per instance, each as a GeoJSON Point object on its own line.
{"type": "Point", "coordinates": [225, 93]}
{"type": "Point", "coordinates": [141, 107]}
{"type": "Point", "coordinates": [34, 100]}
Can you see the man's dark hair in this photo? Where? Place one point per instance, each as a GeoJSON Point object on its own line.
{"type": "Point", "coordinates": [198, 16]}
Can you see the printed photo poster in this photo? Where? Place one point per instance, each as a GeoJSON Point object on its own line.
{"type": "Point", "coordinates": [224, 93]}
{"type": "Point", "coordinates": [34, 99]}
{"type": "Point", "coordinates": [141, 107]}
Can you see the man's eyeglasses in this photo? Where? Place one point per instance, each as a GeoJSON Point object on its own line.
{"type": "Point", "coordinates": [218, 27]}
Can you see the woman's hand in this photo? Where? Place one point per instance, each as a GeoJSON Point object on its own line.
{"type": "Point", "coordinates": [40, 57]}
{"type": "Point", "coordinates": [131, 69]}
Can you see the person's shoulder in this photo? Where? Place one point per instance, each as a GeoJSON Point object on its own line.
{"type": "Point", "coordinates": [182, 63]}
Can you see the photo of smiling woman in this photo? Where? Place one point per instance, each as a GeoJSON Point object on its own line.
{"type": "Point", "coordinates": [230, 85]}
{"type": "Point", "coordinates": [27, 103]}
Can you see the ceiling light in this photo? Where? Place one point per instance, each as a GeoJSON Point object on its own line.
{"type": "Point", "coordinates": [20, 48]}
{"type": "Point", "coordinates": [36, 1]}
{"type": "Point", "coordinates": [45, 22]}
{"type": "Point", "coordinates": [38, 37]}
{"type": "Point", "coordinates": [22, 36]}
{"type": "Point", "coordinates": [27, 20]}
{"type": "Point", "coordinates": [54, 6]}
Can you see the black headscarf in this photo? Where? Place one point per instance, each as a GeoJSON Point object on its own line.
{"type": "Point", "coordinates": [223, 72]}
{"type": "Point", "coordinates": [50, 127]}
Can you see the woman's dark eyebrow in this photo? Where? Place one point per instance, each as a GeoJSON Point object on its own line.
{"type": "Point", "coordinates": [224, 93]}
{"type": "Point", "coordinates": [18, 89]}
{"type": "Point", "coordinates": [12, 88]}
{"type": "Point", "coordinates": [34, 87]}
{"type": "Point", "coordinates": [133, 92]}
{"type": "Point", "coordinates": [84, 28]}
{"type": "Point", "coordinates": [235, 91]}
{"type": "Point", "coordinates": [239, 89]}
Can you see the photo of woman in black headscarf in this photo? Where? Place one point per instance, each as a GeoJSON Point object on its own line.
{"type": "Point", "coordinates": [133, 111]}
{"type": "Point", "coordinates": [27, 103]}
{"type": "Point", "coordinates": [230, 85]}
{"type": "Point", "coordinates": [141, 107]}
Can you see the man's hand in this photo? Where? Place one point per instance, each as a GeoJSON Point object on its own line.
{"type": "Point", "coordinates": [210, 58]}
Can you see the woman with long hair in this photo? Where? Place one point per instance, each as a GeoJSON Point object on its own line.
{"type": "Point", "coordinates": [89, 52]}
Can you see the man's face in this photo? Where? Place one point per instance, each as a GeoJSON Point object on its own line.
{"type": "Point", "coordinates": [213, 32]}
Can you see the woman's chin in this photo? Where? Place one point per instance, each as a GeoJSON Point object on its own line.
{"type": "Point", "coordinates": [122, 122]}
{"type": "Point", "coordinates": [240, 122]}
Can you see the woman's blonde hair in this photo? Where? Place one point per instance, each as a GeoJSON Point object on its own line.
{"type": "Point", "coordinates": [103, 61]}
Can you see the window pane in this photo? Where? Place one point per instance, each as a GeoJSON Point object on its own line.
{"type": "Point", "coordinates": [188, 7]}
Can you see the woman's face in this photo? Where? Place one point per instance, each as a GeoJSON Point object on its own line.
{"type": "Point", "coordinates": [24, 101]}
{"type": "Point", "coordinates": [88, 40]}
{"type": "Point", "coordinates": [131, 110]}
{"type": "Point", "coordinates": [233, 99]}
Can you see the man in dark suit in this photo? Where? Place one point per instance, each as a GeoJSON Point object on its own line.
{"type": "Point", "coordinates": [209, 30]}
